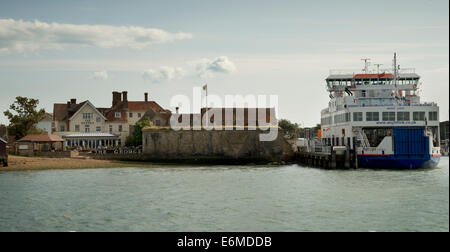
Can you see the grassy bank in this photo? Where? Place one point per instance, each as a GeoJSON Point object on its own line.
{"type": "Point", "coordinates": [17, 163]}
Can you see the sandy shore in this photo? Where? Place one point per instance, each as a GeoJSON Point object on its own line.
{"type": "Point", "coordinates": [17, 163]}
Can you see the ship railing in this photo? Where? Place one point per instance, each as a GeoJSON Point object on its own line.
{"type": "Point", "coordinates": [373, 71]}
{"type": "Point", "coordinates": [432, 104]}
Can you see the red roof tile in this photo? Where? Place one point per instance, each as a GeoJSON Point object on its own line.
{"type": "Point", "coordinates": [41, 138]}
{"type": "Point", "coordinates": [144, 106]}
{"type": "Point", "coordinates": [62, 112]}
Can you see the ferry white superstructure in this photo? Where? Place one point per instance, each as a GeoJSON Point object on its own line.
{"type": "Point", "coordinates": [381, 112]}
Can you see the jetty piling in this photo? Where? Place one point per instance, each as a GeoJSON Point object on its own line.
{"type": "Point", "coordinates": [330, 157]}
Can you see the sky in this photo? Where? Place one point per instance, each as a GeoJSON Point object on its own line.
{"type": "Point", "coordinates": [58, 50]}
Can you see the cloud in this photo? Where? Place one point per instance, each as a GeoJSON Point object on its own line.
{"type": "Point", "coordinates": [164, 73]}
{"type": "Point", "coordinates": [207, 67]}
{"type": "Point", "coordinates": [102, 75]}
{"type": "Point", "coordinates": [202, 68]}
{"type": "Point", "coordinates": [23, 36]}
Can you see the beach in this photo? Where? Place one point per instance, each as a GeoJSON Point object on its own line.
{"type": "Point", "coordinates": [18, 163]}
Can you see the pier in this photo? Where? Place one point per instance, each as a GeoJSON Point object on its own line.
{"type": "Point", "coordinates": [327, 157]}
{"type": "Point", "coordinates": [334, 160]}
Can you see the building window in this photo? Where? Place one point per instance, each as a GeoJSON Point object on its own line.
{"type": "Point", "coordinates": [433, 116]}
{"type": "Point", "coordinates": [87, 128]}
{"type": "Point", "coordinates": [419, 116]}
{"type": "Point", "coordinates": [139, 115]}
{"type": "Point", "coordinates": [110, 129]}
{"type": "Point", "coordinates": [402, 116]}
{"type": "Point", "coordinates": [120, 128]}
{"type": "Point", "coordinates": [372, 116]}
{"type": "Point", "coordinates": [388, 116]}
{"type": "Point", "coordinates": [87, 116]}
{"type": "Point", "coordinates": [158, 123]}
{"type": "Point", "coordinates": [357, 116]}
{"type": "Point", "coordinates": [98, 119]}
{"type": "Point", "coordinates": [98, 128]}
{"type": "Point", "coordinates": [77, 128]}
{"type": "Point", "coordinates": [117, 115]}
{"type": "Point", "coordinates": [62, 128]}
{"type": "Point", "coordinates": [131, 115]}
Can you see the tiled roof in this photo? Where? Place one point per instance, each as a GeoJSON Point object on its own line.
{"type": "Point", "coordinates": [144, 106]}
{"type": "Point", "coordinates": [165, 115]}
{"type": "Point", "coordinates": [248, 114]}
{"type": "Point", "coordinates": [62, 112]}
{"type": "Point", "coordinates": [41, 138]}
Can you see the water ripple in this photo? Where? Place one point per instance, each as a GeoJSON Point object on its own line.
{"type": "Point", "coordinates": [222, 198]}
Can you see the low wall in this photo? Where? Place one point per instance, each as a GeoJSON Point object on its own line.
{"type": "Point", "coordinates": [59, 154]}
{"type": "Point", "coordinates": [213, 145]}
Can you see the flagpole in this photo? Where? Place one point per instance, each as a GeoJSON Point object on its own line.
{"type": "Point", "coordinates": [205, 87]}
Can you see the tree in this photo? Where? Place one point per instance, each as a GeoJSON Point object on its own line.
{"type": "Point", "coordinates": [291, 129]}
{"type": "Point", "coordinates": [135, 139]}
{"type": "Point", "coordinates": [23, 117]}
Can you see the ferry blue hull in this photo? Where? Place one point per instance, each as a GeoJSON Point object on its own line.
{"type": "Point", "coordinates": [391, 161]}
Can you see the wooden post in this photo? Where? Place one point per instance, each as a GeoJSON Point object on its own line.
{"type": "Point", "coordinates": [347, 154]}
{"type": "Point", "coordinates": [333, 159]}
{"type": "Point", "coordinates": [355, 154]}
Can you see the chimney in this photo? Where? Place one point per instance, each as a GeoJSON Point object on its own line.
{"type": "Point", "coordinates": [146, 97]}
{"type": "Point", "coordinates": [73, 101]}
{"type": "Point", "coordinates": [125, 98]}
{"type": "Point", "coordinates": [177, 108]}
{"type": "Point", "coordinates": [68, 104]}
{"type": "Point", "coordinates": [116, 98]}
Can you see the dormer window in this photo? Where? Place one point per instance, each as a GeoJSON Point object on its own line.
{"type": "Point", "coordinates": [117, 115]}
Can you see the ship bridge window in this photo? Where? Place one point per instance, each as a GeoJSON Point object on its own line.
{"type": "Point", "coordinates": [357, 116]}
{"type": "Point", "coordinates": [326, 120]}
{"type": "Point", "coordinates": [388, 116]}
{"type": "Point", "coordinates": [433, 116]}
{"type": "Point", "coordinates": [372, 116]}
{"type": "Point", "coordinates": [403, 116]}
{"type": "Point", "coordinates": [342, 118]}
{"type": "Point", "coordinates": [419, 116]}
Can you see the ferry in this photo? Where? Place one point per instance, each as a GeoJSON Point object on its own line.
{"type": "Point", "coordinates": [378, 113]}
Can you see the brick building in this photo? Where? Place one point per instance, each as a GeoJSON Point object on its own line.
{"type": "Point", "coordinates": [83, 124]}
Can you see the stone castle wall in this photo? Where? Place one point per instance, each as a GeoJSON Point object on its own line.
{"type": "Point", "coordinates": [222, 144]}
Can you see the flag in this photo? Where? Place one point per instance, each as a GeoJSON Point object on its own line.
{"type": "Point", "coordinates": [205, 87]}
